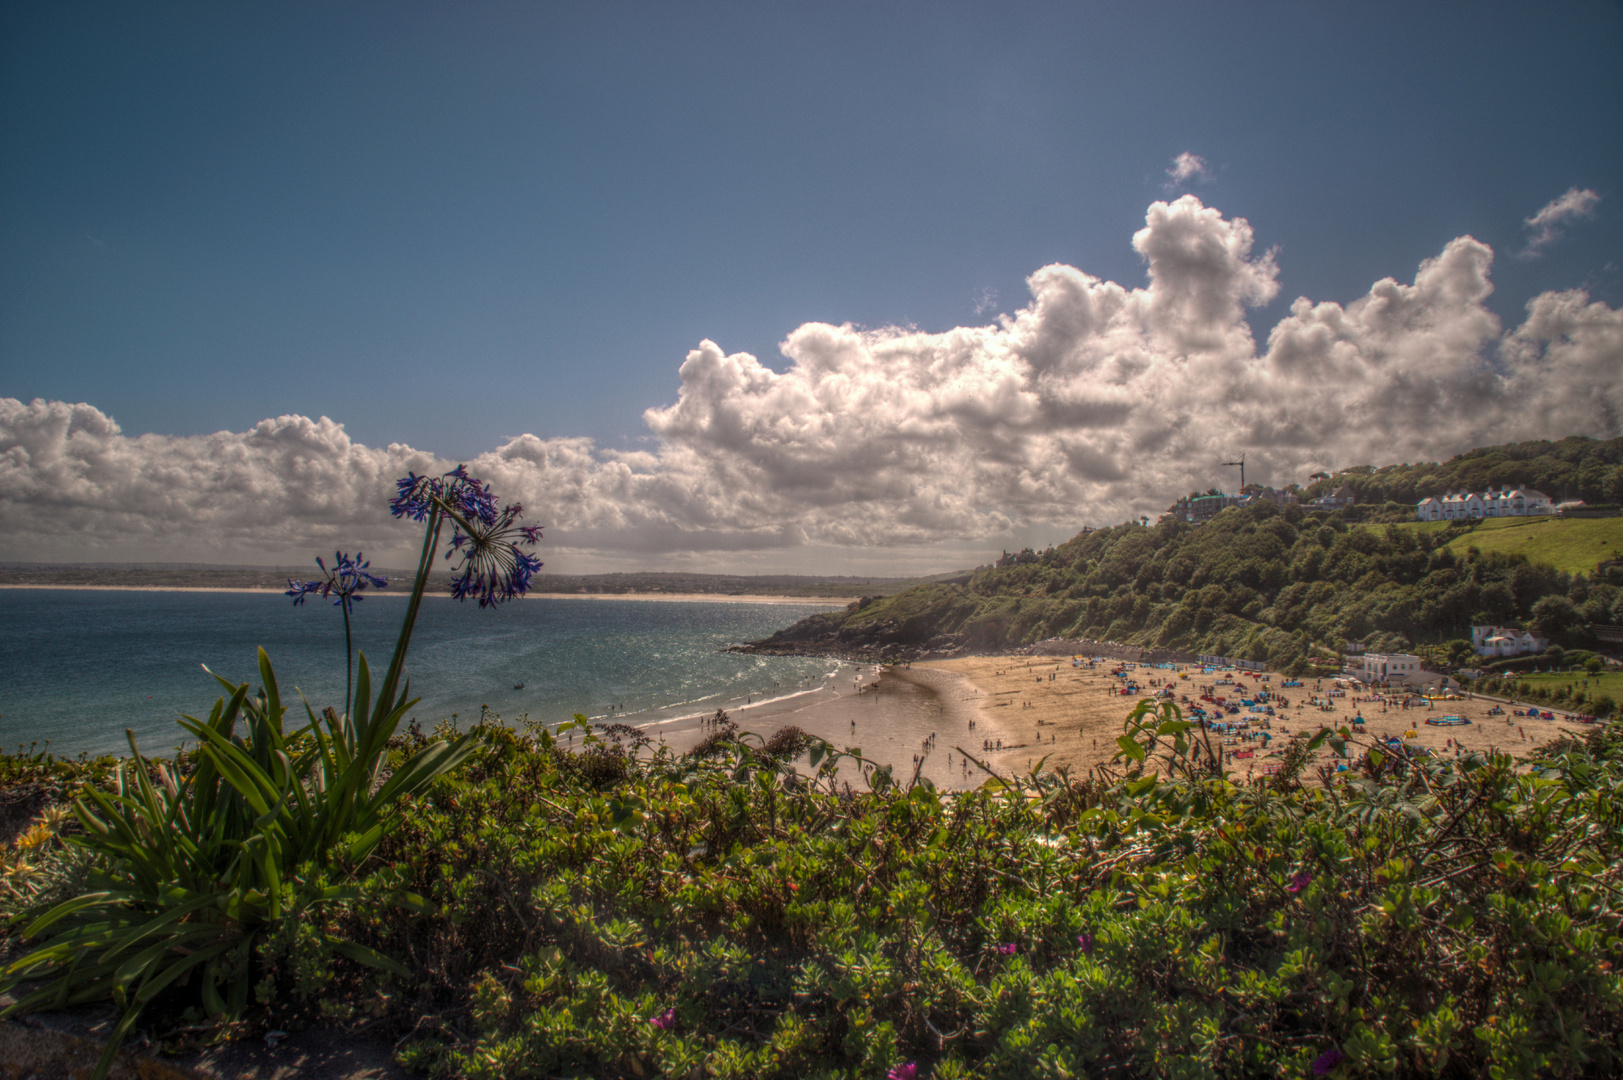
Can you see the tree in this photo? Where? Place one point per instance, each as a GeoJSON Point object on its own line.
{"type": "Point", "coordinates": [1557, 618]}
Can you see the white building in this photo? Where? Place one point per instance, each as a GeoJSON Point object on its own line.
{"type": "Point", "coordinates": [1390, 667]}
{"type": "Point", "coordinates": [1465, 505]}
{"type": "Point", "coordinates": [1505, 641]}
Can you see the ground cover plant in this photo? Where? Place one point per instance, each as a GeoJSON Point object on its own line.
{"type": "Point", "coordinates": [602, 912]}
{"type": "Point", "coordinates": [780, 909]}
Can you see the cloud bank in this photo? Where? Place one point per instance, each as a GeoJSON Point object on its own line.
{"type": "Point", "coordinates": [1093, 403]}
{"type": "Point", "coordinates": [1550, 223]}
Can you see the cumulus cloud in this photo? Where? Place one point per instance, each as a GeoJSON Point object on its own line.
{"type": "Point", "coordinates": [1550, 223]}
{"type": "Point", "coordinates": [1093, 403]}
{"type": "Point", "coordinates": [1184, 168]}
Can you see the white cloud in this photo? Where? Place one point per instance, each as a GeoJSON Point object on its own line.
{"type": "Point", "coordinates": [1184, 168]}
{"type": "Point", "coordinates": [1549, 224]}
{"type": "Point", "coordinates": [892, 447]}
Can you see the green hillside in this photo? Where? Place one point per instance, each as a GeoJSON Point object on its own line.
{"type": "Point", "coordinates": [1258, 582]}
{"type": "Point", "coordinates": [1575, 468]}
{"type": "Point", "coordinates": [1572, 545]}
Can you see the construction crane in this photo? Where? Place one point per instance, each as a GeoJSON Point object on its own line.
{"type": "Point", "coordinates": [1241, 464]}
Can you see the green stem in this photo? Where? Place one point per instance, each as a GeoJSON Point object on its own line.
{"type": "Point", "coordinates": [349, 662]}
{"type": "Point", "coordinates": [431, 539]}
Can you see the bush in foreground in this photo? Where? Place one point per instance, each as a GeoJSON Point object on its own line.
{"type": "Point", "coordinates": [726, 916]}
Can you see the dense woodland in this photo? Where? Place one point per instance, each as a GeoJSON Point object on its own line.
{"type": "Point", "coordinates": [1259, 583]}
{"type": "Point", "coordinates": [1574, 468]}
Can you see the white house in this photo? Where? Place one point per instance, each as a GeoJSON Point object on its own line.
{"type": "Point", "coordinates": [1390, 667]}
{"type": "Point", "coordinates": [1505, 641]}
{"type": "Point", "coordinates": [1463, 505]}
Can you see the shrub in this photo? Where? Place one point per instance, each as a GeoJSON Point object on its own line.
{"type": "Point", "coordinates": [221, 873]}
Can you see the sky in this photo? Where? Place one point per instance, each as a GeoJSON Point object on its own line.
{"type": "Point", "coordinates": [793, 287]}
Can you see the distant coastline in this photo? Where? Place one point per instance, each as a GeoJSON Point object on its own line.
{"type": "Point", "coordinates": [704, 598]}
{"type": "Point", "coordinates": [639, 585]}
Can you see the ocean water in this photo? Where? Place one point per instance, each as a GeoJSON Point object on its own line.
{"type": "Point", "coordinates": [78, 667]}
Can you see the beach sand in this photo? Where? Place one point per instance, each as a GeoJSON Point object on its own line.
{"type": "Point", "coordinates": [888, 713]}
{"type": "Point", "coordinates": [1043, 705]}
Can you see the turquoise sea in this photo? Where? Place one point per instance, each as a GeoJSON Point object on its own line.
{"type": "Point", "coordinates": [77, 667]}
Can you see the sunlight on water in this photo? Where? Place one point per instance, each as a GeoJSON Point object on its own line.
{"type": "Point", "coordinates": [78, 667]}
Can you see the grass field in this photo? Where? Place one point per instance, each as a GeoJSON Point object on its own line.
{"type": "Point", "coordinates": [1574, 545]}
{"type": "Point", "coordinates": [1610, 682]}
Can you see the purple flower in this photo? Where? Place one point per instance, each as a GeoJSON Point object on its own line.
{"type": "Point", "coordinates": [1086, 941]}
{"type": "Point", "coordinates": [1005, 949]}
{"type": "Point", "coordinates": [1299, 881]}
{"type": "Point", "coordinates": [456, 491]}
{"type": "Point", "coordinates": [665, 1020]}
{"type": "Point", "coordinates": [344, 580]}
{"type": "Point", "coordinates": [493, 568]}
{"type": "Point", "coordinates": [1327, 1061]}
{"type": "Point", "coordinates": [910, 1071]}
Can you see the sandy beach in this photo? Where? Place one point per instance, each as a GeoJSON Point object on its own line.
{"type": "Point", "coordinates": [1012, 711]}
{"type": "Point", "coordinates": [892, 715]}
{"type": "Point", "coordinates": [1075, 714]}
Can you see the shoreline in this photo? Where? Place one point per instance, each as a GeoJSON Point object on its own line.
{"type": "Point", "coordinates": [684, 598]}
{"type": "Point", "coordinates": [903, 717]}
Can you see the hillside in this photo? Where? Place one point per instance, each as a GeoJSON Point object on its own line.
{"type": "Point", "coordinates": [1574, 468]}
{"type": "Point", "coordinates": [1574, 545]}
{"type": "Point", "coordinates": [1265, 584]}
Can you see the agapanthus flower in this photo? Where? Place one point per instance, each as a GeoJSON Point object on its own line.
{"type": "Point", "coordinates": [909, 1071]}
{"type": "Point", "coordinates": [493, 568]}
{"type": "Point", "coordinates": [456, 491]}
{"type": "Point", "coordinates": [1299, 881]}
{"type": "Point", "coordinates": [343, 581]}
{"type": "Point", "coordinates": [1327, 1061]}
{"type": "Point", "coordinates": [664, 1021]}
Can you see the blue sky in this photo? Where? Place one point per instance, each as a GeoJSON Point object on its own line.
{"type": "Point", "coordinates": [452, 225]}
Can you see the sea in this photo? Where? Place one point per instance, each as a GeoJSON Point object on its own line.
{"type": "Point", "coordinates": [78, 667]}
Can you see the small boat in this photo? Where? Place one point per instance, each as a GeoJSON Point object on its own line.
{"type": "Point", "coordinates": [518, 686]}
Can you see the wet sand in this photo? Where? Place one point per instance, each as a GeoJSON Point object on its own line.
{"type": "Point", "coordinates": [1046, 706]}
{"type": "Point", "coordinates": [888, 713]}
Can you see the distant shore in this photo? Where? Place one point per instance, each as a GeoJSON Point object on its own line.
{"type": "Point", "coordinates": [705, 598]}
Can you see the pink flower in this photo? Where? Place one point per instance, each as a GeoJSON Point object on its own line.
{"type": "Point", "coordinates": [1299, 881]}
{"type": "Point", "coordinates": [1005, 949]}
{"type": "Point", "coordinates": [1327, 1061]}
{"type": "Point", "coordinates": [665, 1020]}
{"type": "Point", "coordinates": [1086, 941]}
{"type": "Point", "coordinates": [910, 1071]}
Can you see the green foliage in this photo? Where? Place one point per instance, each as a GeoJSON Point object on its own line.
{"type": "Point", "coordinates": [205, 870]}
{"type": "Point", "coordinates": [1576, 467]}
{"type": "Point", "coordinates": [1435, 918]}
{"type": "Point", "coordinates": [1270, 585]}
{"type": "Point", "coordinates": [1574, 545]}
